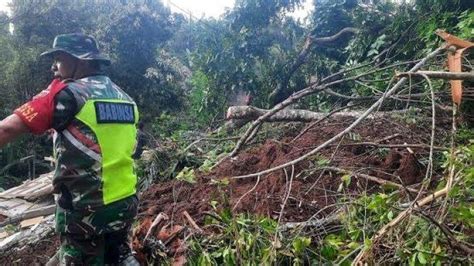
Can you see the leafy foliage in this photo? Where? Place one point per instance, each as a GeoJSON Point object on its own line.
{"type": "Point", "coordinates": [183, 73]}
{"type": "Point", "coordinates": [249, 240]}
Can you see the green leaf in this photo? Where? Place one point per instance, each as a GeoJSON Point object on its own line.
{"type": "Point", "coordinates": [390, 215]}
{"type": "Point", "coordinates": [186, 175]}
{"type": "Point", "coordinates": [300, 244]}
{"type": "Point", "coordinates": [346, 179]}
{"type": "Point", "coordinates": [321, 161]}
{"type": "Point", "coordinates": [214, 204]}
{"type": "Point", "coordinates": [422, 258]}
{"type": "Point", "coordinates": [329, 252]}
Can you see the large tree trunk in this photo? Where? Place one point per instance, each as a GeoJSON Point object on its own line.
{"type": "Point", "coordinates": [239, 116]}
{"type": "Point", "coordinates": [248, 113]}
{"type": "Point", "coordinates": [286, 115]}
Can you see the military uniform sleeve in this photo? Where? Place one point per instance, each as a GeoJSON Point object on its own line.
{"type": "Point", "coordinates": [65, 109]}
{"type": "Point", "coordinates": [37, 114]}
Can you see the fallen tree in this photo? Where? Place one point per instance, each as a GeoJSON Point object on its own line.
{"type": "Point", "coordinates": [249, 113]}
{"type": "Point", "coordinates": [324, 84]}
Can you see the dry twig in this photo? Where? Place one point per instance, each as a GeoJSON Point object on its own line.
{"type": "Point", "coordinates": [371, 178]}
{"type": "Point", "coordinates": [192, 222]}
{"type": "Point", "coordinates": [246, 193]}
{"type": "Point", "coordinates": [417, 203]}
{"type": "Point", "coordinates": [285, 200]}
{"type": "Point", "coordinates": [457, 244]}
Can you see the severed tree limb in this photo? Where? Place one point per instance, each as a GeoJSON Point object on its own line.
{"type": "Point", "coordinates": [159, 218]}
{"type": "Point", "coordinates": [239, 116]}
{"type": "Point", "coordinates": [440, 75]}
{"type": "Point", "coordinates": [371, 178]}
{"type": "Point", "coordinates": [279, 93]}
{"type": "Point", "coordinates": [374, 107]}
{"type": "Point", "coordinates": [192, 222]}
{"type": "Point", "coordinates": [286, 115]}
{"type": "Point", "coordinates": [233, 123]}
{"type": "Point", "coordinates": [325, 40]}
{"type": "Point", "coordinates": [457, 244]}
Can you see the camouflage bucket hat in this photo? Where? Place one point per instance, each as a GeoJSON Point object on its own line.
{"type": "Point", "coordinates": [81, 46]}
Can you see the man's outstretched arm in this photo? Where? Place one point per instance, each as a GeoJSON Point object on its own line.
{"type": "Point", "coordinates": [11, 128]}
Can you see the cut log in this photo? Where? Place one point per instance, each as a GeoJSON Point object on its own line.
{"type": "Point", "coordinates": [31, 222]}
{"type": "Point", "coordinates": [31, 189]}
{"type": "Point", "coordinates": [250, 113]}
{"type": "Point", "coordinates": [287, 115]}
{"type": "Point", "coordinates": [47, 210]}
{"type": "Point", "coordinates": [28, 237]}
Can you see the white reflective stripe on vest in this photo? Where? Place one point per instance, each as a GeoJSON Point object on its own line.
{"type": "Point", "coordinates": [81, 146]}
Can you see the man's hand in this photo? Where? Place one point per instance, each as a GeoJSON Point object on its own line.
{"type": "Point", "coordinates": [10, 128]}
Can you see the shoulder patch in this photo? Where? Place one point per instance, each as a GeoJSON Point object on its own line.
{"type": "Point", "coordinates": [111, 112]}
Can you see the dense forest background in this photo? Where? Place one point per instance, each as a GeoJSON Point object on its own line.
{"type": "Point", "coordinates": [184, 72]}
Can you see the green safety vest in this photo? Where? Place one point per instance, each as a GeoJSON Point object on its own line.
{"type": "Point", "coordinates": [116, 133]}
{"type": "Point", "coordinates": [94, 152]}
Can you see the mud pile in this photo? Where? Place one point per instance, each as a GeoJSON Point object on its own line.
{"type": "Point", "coordinates": [311, 191]}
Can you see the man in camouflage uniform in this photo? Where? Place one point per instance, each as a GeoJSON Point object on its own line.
{"type": "Point", "coordinates": [95, 134]}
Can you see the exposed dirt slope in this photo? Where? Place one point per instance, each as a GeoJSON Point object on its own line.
{"type": "Point", "coordinates": [311, 191]}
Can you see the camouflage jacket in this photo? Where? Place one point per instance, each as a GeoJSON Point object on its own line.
{"type": "Point", "coordinates": [77, 177]}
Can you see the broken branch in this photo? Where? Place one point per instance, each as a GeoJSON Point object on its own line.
{"type": "Point", "coordinates": [192, 222]}
{"type": "Point", "coordinates": [371, 178]}
{"type": "Point", "coordinates": [329, 39]}
{"type": "Point", "coordinates": [159, 218]}
{"type": "Point", "coordinates": [252, 113]}
{"type": "Point", "coordinates": [440, 75]}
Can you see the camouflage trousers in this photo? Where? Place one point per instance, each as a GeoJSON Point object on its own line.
{"type": "Point", "coordinates": [96, 237]}
{"type": "Point", "coordinates": [107, 249]}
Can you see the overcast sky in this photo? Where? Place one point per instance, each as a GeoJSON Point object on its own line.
{"type": "Point", "coordinates": [3, 5]}
{"type": "Point", "coordinates": [215, 8]}
{"type": "Point", "coordinates": [200, 8]}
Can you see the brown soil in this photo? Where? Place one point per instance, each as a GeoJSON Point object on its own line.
{"type": "Point", "coordinates": [398, 165]}
{"type": "Point", "coordinates": [37, 254]}
{"type": "Point", "coordinates": [311, 192]}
